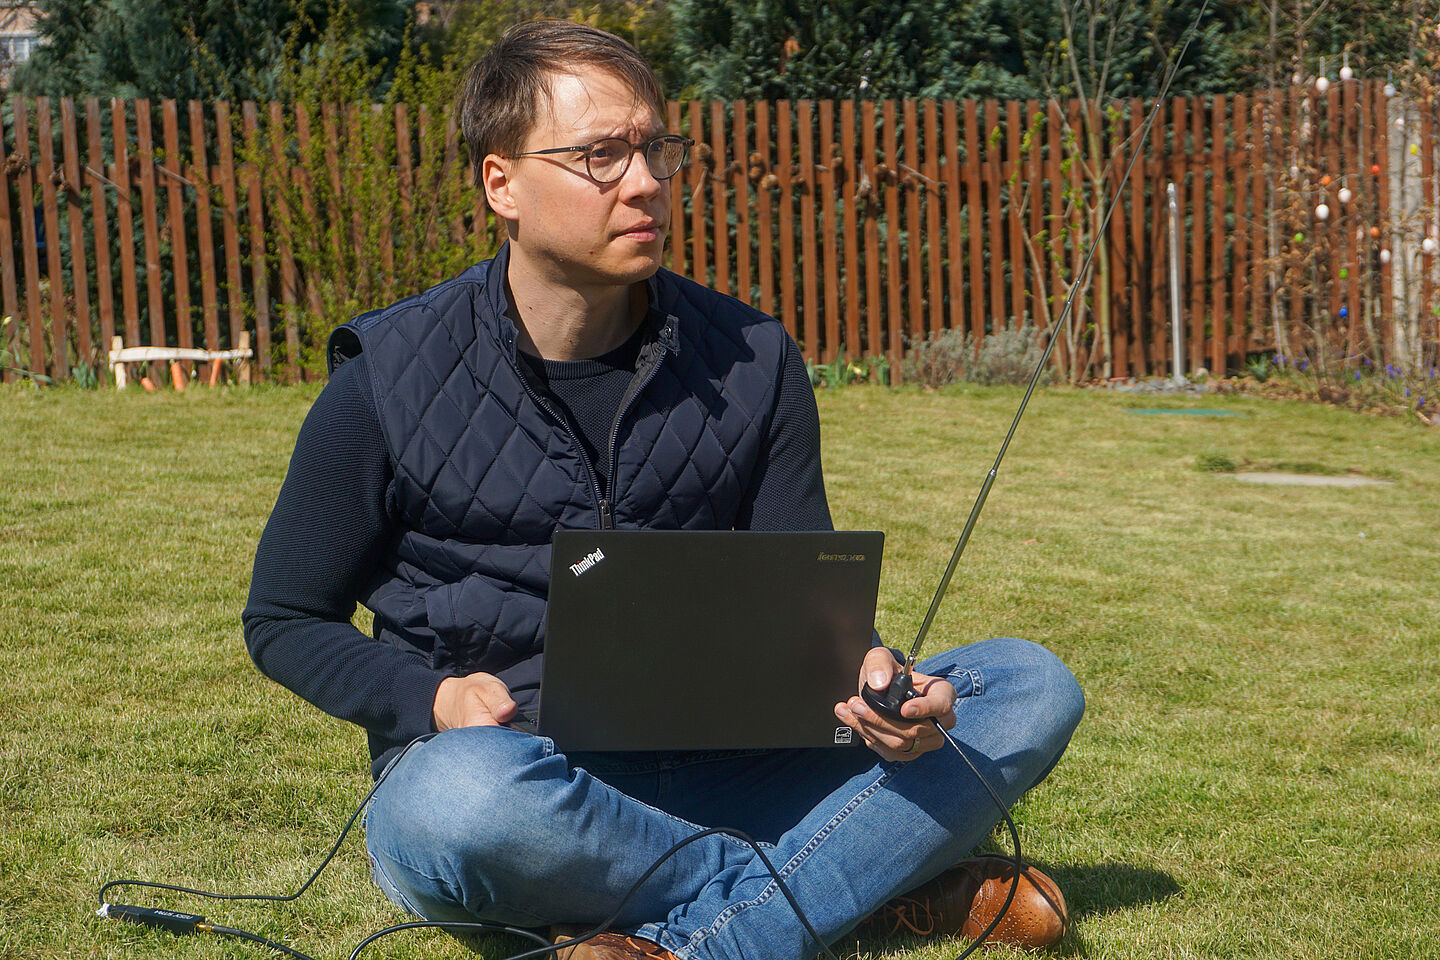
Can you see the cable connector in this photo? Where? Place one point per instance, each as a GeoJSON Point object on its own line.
{"type": "Point", "coordinates": [180, 924]}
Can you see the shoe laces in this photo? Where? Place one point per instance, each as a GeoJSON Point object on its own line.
{"type": "Point", "coordinates": [907, 913]}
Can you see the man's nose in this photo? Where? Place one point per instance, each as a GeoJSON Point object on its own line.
{"type": "Point", "coordinates": [638, 180]}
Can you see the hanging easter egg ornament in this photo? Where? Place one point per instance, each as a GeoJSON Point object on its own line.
{"type": "Point", "coordinates": [1345, 195]}
{"type": "Point", "coordinates": [1322, 84]}
{"type": "Point", "coordinates": [1375, 169]}
{"type": "Point", "coordinates": [1399, 123]}
{"type": "Point", "coordinates": [1344, 312]}
{"type": "Point", "coordinates": [1295, 172]}
{"type": "Point", "coordinates": [1344, 273]}
{"type": "Point", "coordinates": [1389, 90]}
{"type": "Point", "coordinates": [1384, 256]}
{"type": "Point", "coordinates": [1322, 212]}
{"type": "Point", "coordinates": [1299, 238]}
{"type": "Point", "coordinates": [1325, 180]}
{"type": "Point", "coordinates": [1415, 149]}
{"type": "Point", "coordinates": [1346, 73]}
{"type": "Point", "coordinates": [1429, 245]}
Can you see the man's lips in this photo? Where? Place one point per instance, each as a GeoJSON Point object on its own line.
{"type": "Point", "coordinates": [647, 229]}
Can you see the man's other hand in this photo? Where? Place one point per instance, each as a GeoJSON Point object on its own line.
{"type": "Point", "coordinates": [899, 739]}
{"type": "Point", "coordinates": [476, 700]}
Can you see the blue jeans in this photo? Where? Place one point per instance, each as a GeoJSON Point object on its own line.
{"type": "Point", "coordinates": [493, 824]}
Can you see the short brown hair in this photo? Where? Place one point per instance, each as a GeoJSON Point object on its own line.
{"type": "Point", "coordinates": [503, 91]}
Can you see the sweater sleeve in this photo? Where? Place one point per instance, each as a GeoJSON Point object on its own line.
{"type": "Point", "coordinates": [321, 546]}
{"type": "Point", "coordinates": [788, 490]}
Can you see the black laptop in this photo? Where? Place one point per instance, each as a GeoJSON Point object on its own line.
{"type": "Point", "coordinates": [696, 640]}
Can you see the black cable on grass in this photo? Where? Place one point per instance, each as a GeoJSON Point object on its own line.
{"type": "Point", "coordinates": [604, 925]}
{"type": "Point", "coordinates": [182, 923]}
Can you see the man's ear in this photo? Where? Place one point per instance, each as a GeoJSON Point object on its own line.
{"type": "Point", "coordinates": [495, 173]}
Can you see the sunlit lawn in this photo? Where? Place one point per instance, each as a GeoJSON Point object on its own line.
{"type": "Point", "coordinates": [1258, 774]}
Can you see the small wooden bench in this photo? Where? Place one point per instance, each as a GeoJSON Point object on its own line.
{"type": "Point", "coordinates": [122, 356]}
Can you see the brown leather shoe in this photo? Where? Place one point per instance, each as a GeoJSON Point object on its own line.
{"type": "Point", "coordinates": [606, 946]}
{"type": "Point", "coordinates": [965, 898]}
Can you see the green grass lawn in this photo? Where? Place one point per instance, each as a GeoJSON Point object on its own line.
{"type": "Point", "coordinates": [1258, 773]}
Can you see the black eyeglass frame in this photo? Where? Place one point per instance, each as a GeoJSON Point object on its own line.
{"type": "Point", "coordinates": [644, 146]}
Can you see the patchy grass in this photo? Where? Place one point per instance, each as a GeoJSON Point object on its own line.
{"type": "Point", "coordinates": [1258, 774]}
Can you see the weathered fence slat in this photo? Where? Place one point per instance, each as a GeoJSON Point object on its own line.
{"type": "Point", "coordinates": [200, 176]}
{"type": "Point", "coordinates": [828, 251]}
{"type": "Point", "coordinates": [74, 213]}
{"type": "Point", "coordinates": [930, 185]}
{"type": "Point", "coordinates": [230, 222]}
{"type": "Point", "coordinates": [99, 220]}
{"type": "Point", "coordinates": [874, 319]}
{"type": "Point", "coordinates": [850, 173]}
{"type": "Point", "coordinates": [741, 180]}
{"type": "Point", "coordinates": [280, 183]}
{"type": "Point", "coordinates": [175, 226]}
{"type": "Point", "coordinates": [125, 216]}
{"type": "Point", "coordinates": [785, 214]}
{"type": "Point", "coordinates": [55, 268]}
{"type": "Point", "coordinates": [719, 180]}
{"type": "Point", "coordinates": [28, 238]}
{"type": "Point", "coordinates": [149, 218]}
{"type": "Point", "coordinates": [809, 275]}
{"type": "Point", "coordinates": [254, 202]}
{"type": "Point", "coordinates": [975, 222]}
{"type": "Point", "coordinates": [893, 316]}
{"type": "Point", "coordinates": [9, 289]}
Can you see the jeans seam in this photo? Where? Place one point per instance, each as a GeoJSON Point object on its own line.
{"type": "Point", "coordinates": [977, 682]}
{"type": "Point", "coordinates": [791, 865]}
{"type": "Point", "coordinates": [377, 870]}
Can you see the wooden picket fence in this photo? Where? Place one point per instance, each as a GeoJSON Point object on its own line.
{"type": "Point", "coordinates": [864, 226]}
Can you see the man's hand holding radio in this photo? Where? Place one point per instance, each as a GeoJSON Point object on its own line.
{"type": "Point", "coordinates": [895, 739]}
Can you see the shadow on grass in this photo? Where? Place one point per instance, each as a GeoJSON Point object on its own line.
{"type": "Point", "coordinates": [1100, 888]}
{"type": "Point", "coordinates": [1089, 889]}
{"type": "Point", "coordinates": [1106, 887]}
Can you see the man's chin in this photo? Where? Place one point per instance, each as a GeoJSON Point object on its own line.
{"type": "Point", "coordinates": [633, 268]}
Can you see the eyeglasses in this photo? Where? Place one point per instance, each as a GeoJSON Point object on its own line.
{"type": "Point", "coordinates": [607, 159]}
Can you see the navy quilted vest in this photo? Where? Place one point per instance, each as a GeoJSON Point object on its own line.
{"type": "Point", "coordinates": [486, 472]}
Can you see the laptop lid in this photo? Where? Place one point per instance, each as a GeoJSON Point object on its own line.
{"type": "Point", "coordinates": [714, 639]}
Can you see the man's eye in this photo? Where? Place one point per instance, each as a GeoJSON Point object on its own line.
{"type": "Point", "coordinates": [605, 153]}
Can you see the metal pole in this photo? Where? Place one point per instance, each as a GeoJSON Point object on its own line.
{"type": "Point", "coordinates": [1177, 332]}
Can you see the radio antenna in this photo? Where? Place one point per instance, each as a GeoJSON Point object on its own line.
{"type": "Point", "coordinates": [901, 689]}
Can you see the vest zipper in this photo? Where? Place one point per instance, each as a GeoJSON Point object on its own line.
{"type": "Point", "coordinates": [633, 390]}
{"type": "Point", "coordinates": [607, 521]}
{"type": "Point", "coordinates": [604, 504]}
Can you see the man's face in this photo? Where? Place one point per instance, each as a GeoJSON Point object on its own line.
{"type": "Point", "coordinates": [564, 224]}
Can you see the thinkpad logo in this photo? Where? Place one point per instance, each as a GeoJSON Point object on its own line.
{"type": "Point", "coordinates": [590, 559]}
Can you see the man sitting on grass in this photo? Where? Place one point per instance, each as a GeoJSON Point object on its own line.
{"type": "Point", "coordinates": [571, 382]}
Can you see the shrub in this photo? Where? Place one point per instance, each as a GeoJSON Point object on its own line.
{"type": "Point", "coordinates": [1213, 461]}
{"type": "Point", "coordinates": [1007, 356]}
